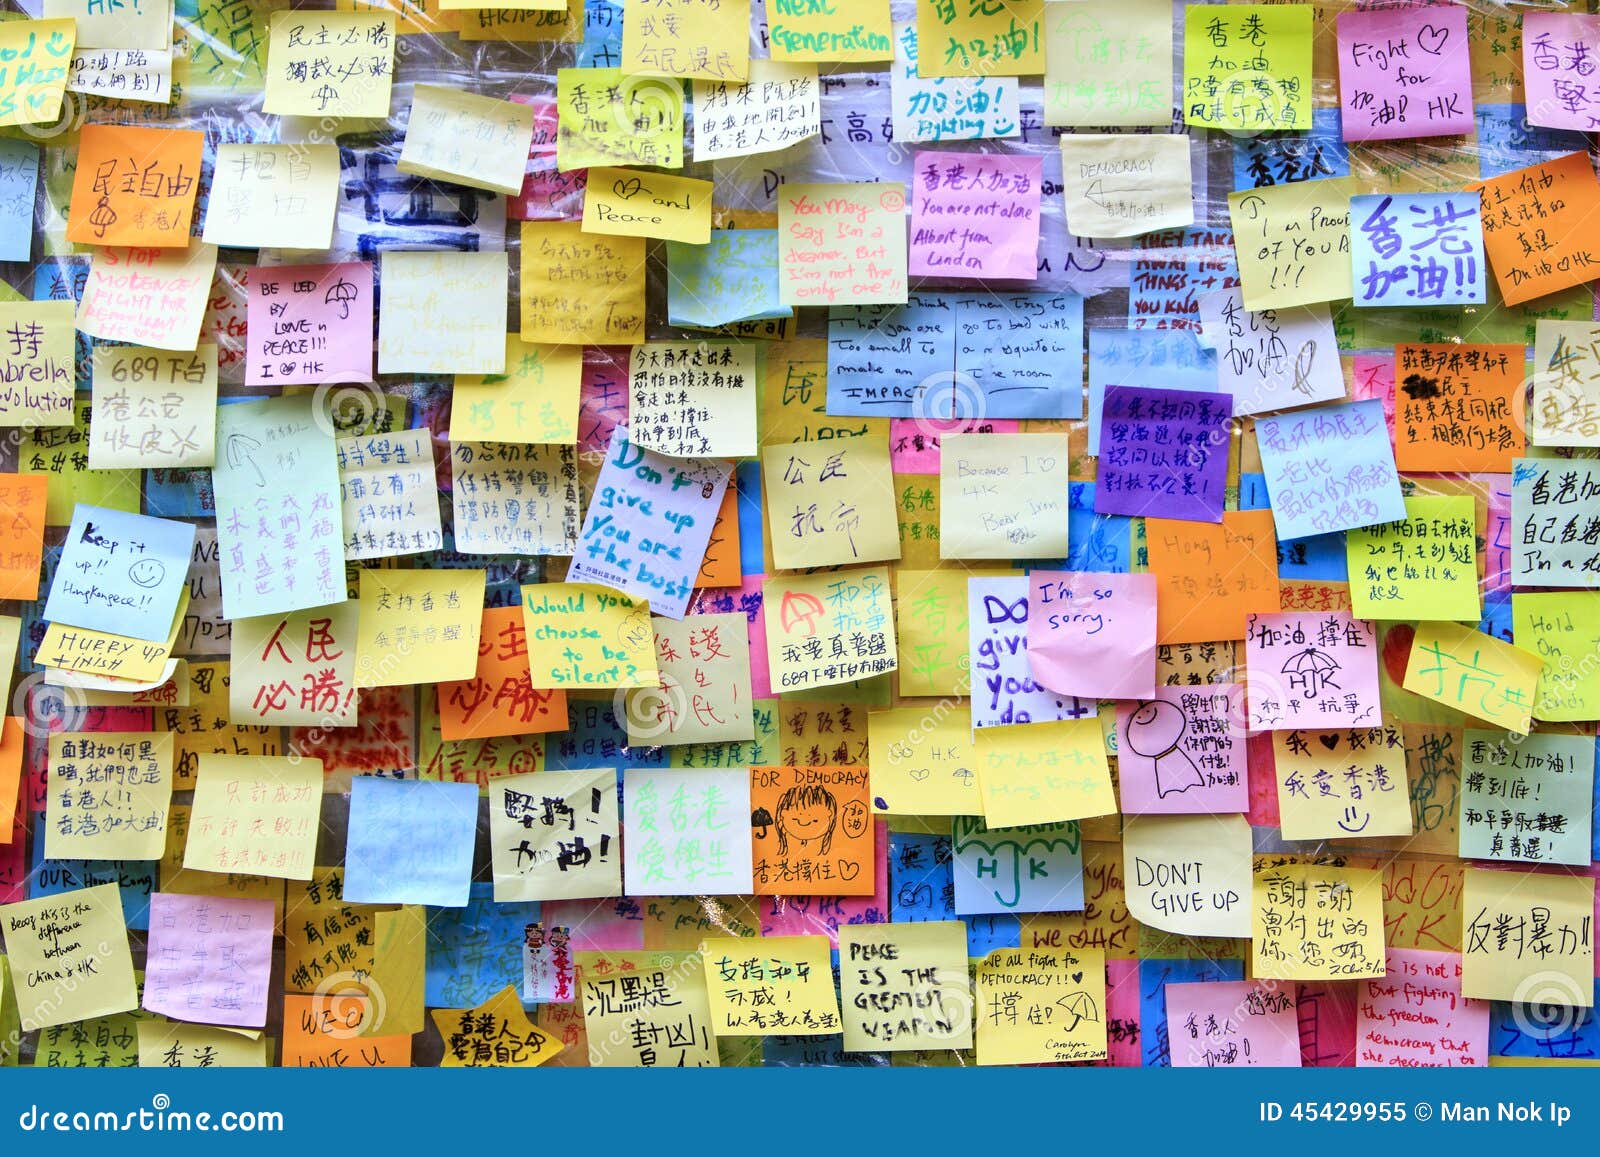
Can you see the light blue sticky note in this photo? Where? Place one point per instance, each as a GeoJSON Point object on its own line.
{"type": "Point", "coordinates": [1038, 868]}
{"type": "Point", "coordinates": [1172, 358]}
{"type": "Point", "coordinates": [1021, 352]}
{"type": "Point", "coordinates": [121, 573]}
{"type": "Point", "coordinates": [475, 951]}
{"type": "Point", "coordinates": [1329, 468]}
{"type": "Point", "coordinates": [733, 277]}
{"type": "Point", "coordinates": [279, 526]}
{"type": "Point", "coordinates": [602, 35]}
{"type": "Point", "coordinates": [922, 888]}
{"type": "Point", "coordinates": [1265, 159]}
{"type": "Point", "coordinates": [1421, 249]}
{"type": "Point", "coordinates": [410, 842]}
{"type": "Point", "coordinates": [19, 181]}
{"type": "Point", "coordinates": [1506, 141]}
{"type": "Point", "coordinates": [881, 358]}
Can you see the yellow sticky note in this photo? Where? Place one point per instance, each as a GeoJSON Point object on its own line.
{"type": "Point", "coordinates": [109, 795]}
{"type": "Point", "coordinates": [1042, 773]}
{"type": "Point", "coordinates": [1188, 875]}
{"type": "Point", "coordinates": [399, 968]}
{"type": "Point", "coordinates": [842, 244]}
{"type": "Point", "coordinates": [581, 635]}
{"type": "Point", "coordinates": [1293, 240]}
{"type": "Point", "coordinates": [152, 297]}
{"type": "Point", "coordinates": [497, 1034]}
{"type": "Point", "coordinates": [830, 503]}
{"type": "Point", "coordinates": [418, 626]}
{"type": "Point", "coordinates": [466, 138]}
{"type": "Point", "coordinates": [1247, 66]}
{"type": "Point", "coordinates": [1003, 495]}
{"type": "Point", "coordinates": [297, 667]}
{"type": "Point", "coordinates": [69, 956]}
{"type": "Point", "coordinates": [443, 313]}
{"type": "Point", "coordinates": [826, 629]}
{"type": "Point", "coordinates": [330, 64]}
{"type": "Point", "coordinates": [1336, 785]}
{"type": "Point", "coordinates": [138, 26]}
{"type": "Point", "coordinates": [678, 1033]}
{"type": "Point", "coordinates": [1562, 628]}
{"type": "Point", "coordinates": [829, 30]}
{"type": "Point", "coordinates": [36, 362]}
{"type": "Point", "coordinates": [44, 450]}
{"type": "Point", "coordinates": [633, 203]}
{"type": "Point", "coordinates": [1527, 937]}
{"type": "Point", "coordinates": [281, 196]}
{"type": "Point", "coordinates": [581, 288]}
{"type": "Point", "coordinates": [171, 1044]}
{"type": "Point", "coordinates": [154, 408]}
{"type": "Point", "coordinates": [994, 38]}
{"type": "Point", "coordinates": [691, 39]}
{"type": "Point", "coordinates": [255, 816]}
{"type": "Point", "coordinates": [1108, 64]}
{"type": "Point", "coordinates": [931, 616]}
{"type": "Point", "coordinates": [1474, 673]}
{"type": "Point", "coordinates": [1422, 567]}
{"type": "Point", "coordinates": [534, 402]}
{"type": "Point", "coordinates": [905, 986]}
{"type": "Point", "coordinates": [1041, 1005]}
{"type": "Point", "coordinates": [38, 53]}
{"type": "Point", "coordinates": [1310, 922]}
{"type": "Point", "coordinates": [770, 986]}
{"type": "Point", "coordinates": [100, 653]}
{"type": "Point", "coordinates": [923, 762]}
{"type": "Point", "coordinates": [611, 119]}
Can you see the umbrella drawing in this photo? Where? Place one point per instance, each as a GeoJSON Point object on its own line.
{"type": "Point", "coordinates": [1081, 1007]}
{"type": "Point", "coordinates": [240, 450]}
{"type": "Point", "coordinates": [761, 818]}
{"type": "Point", "coordinates": [1311, 671]}
{"type": "Point", "coordinates": [342, 292]}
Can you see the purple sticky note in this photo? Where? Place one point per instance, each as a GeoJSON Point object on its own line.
{"type": "Point", "coordinates": [1163, 453]}
{"type": "Point", "coordinates": [209, 959]}
{"type": "Point", "coordinates": [1404, 73]}
{"type": "Point", "coordinates": [1560, 51]}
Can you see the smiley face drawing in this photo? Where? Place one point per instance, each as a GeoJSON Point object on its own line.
{"type": "Point", "coordinates": [806, 814]}
{"type": "Point", "coordinates": [147, 573]}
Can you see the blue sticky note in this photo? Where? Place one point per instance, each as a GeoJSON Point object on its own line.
{"type": "Point", "coordinates": [1130, 357]}
{"type": "Point", "coordinates": [410, 842]}
{"type": "Point", "coordinates": [922, 888]}
{"type": "Point", "coordinates": [1329, 468]}
{"type": "Point", "coordinates": [596, 738]}
{"type": "Point", "coordinates": [1102, 543]}
{"type": "Point", "coordinates": [1319, 558]}
{"type": "Point", "coordinates": [1019, 353]}
{"type": "Point", "coordinates": [1266, 159]}
{"type": "Point", "coordinates": [1506, 141]}
{"type": "Point", "coordinates": [135, 879]}
{"type": "Point", "coordinates": [121, 573]}
{"type": "Point", "coordinates": [1546, 1031]}
{"type": "Point", "coordinates": [19, 181]}
{"type": "Point", "coordinates": [475, 951]}
{"type": "Point", "coordinates": [1418, 249]}
{"type": "Point", "coordinates": [602, 35]}
{"type": "Point", "coordinates": [747, 477]}
{"type": "Point", "coordinates": [733, 277]}
{"type": "Point", "coordinates": [1154, 976]}
{"type": "Point", "coordinates": [1038, 868]}
{"type": "Point", "coordinates": [882, 358]}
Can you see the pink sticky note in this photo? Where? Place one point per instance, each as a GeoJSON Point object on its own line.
{"type": "Point", "coordinates": [1093, 635]}
{"type": "Point", "coordinates": [747, 600]}
{"type": "Point", "coordinates": [1416, 1017]}
{"type": "Point", "coordinates": [209, 959]}
{"type": "Point", "coordinates": [596, 925]}
{"type": "Point", "coordinates": [914, 442]}
{"type": "Point", "coordinates": [1497, 535]}
{"type": "Point", "coordinates": [1122, 1014]}
{"type": "Point", "coordinates": [1232, 1024]}
{"type": "Point", "coordinates": [1404, 72]}
{"type": "Point", "coordinates": [1327, 1011]}
{"type": "Point", "coordinates": [309, 324]}
{"type": "Point", "coordinates": [975, 215]}
{"type": "Point", "coordinates": [1182, 751]}
{"type": "Point", "coordinates": [1559, 52]}
{"type": "Point", "coordinates": [1374, 379]}
{"type": "Point", "coordinates": [1311, 669]}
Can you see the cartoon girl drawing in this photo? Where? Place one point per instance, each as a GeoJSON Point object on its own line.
{"type": "Point", "coordinates": [806, 814]}
{"type": "Point", "coordinates": [1155, 730]}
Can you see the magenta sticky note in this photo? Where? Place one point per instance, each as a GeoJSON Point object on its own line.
{"type": "Point", "coordinates": [1182, 751]}
{"type": "Point", "coordinates": [1404, 73]}
{"type": "Point", "coordinates": [1230, 1024]}
{"type": "Point", "coordinates": [309, 324]}
{"type": "Point", "coordinates": [1093, 635]}
{"type": "Point", "coordinates": [1416, 1017]}
{"type": "Point", "coordinates": [1316, 669]}
{"type": "Point", "coordinates": [1561, 69]}
{"type": "Point", "coordinates": [975, 215]}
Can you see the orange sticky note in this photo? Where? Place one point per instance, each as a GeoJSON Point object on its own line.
{"type": "Point", "coordinates": [22, 505]}
{"type": "Point", "coordinates": [1210, 576]}
{"type": "Point", "coordinates": [135, 186]}
{"type": "Point", "coordinates": [1539, 227]}
{"type": "Point", "coordinates": [12, 738]}
{"type": "Point", "coordinates": [720, 567]}
{"type": "Point", "coordinates": [500, 698]}
{"type": "Point", "coordinates": [325, 1032]}
{"type": "Point", "coordinates": [1454, 407]}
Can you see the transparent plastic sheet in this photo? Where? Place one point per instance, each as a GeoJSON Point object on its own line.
{"type": "Point", "coordinates": [1127, 285]}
